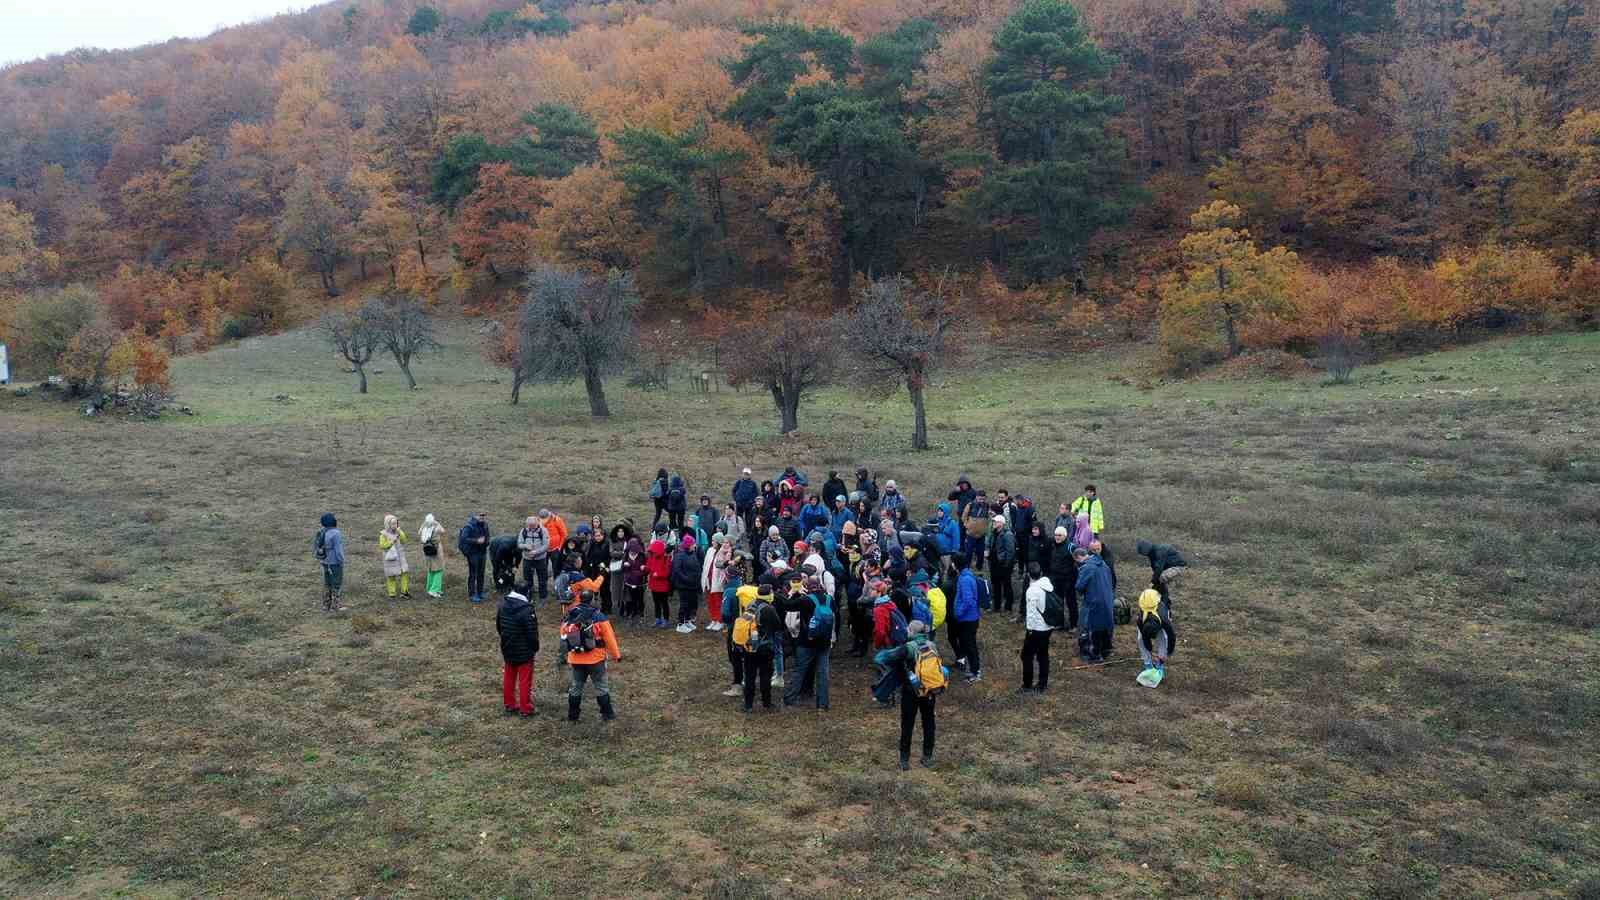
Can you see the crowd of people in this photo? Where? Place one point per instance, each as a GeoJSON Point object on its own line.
{"type": "Point", "coordinates": [782, 571]}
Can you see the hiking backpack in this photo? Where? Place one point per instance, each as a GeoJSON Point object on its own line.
{"type": "Point", "coordinates": [577, 636]}
{"type": "Point", "coordinates": [1055, 612]}
{"type": "Point", "coordinates": [1121, 612]}
{"type": "Point", "coordinates": [820, 628]}
{"type": "Point", "coordinates": [747, 628]}
{"type": "Point", "coordinates": [319, 546]}
{"type": "Point", "coordinates": [920, 610]}
{"type": "Point", "coordinates": [938, 605]}
{"type": "Point", "coordinates": [928, 675]}
{"type": "Point", "coordinates": [898, 626]}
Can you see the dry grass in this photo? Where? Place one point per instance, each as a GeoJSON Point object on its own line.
{"type": "Point", "coordinates": [1377, 689]}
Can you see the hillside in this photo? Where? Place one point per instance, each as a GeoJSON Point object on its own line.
{"type": "Point", "coordinates": [1397, 172]}
{"type": "Point", "coordinates": [1378, 687]}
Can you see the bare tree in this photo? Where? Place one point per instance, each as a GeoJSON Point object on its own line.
{"type": "Point", "coordinates": [575, 324]}
{"type": "Point", "coordinates": [900, 334]}
{"type": "Point", "coordinates": [403, 327]}
{"type": "Point", "coordinates": [789, 353]}
{"type": "Point", "coordinates": [1342, 352]}
{"type": "Point", "coordinates": [502, 348]}
{"type": "Point", "coordinates": [351, 333]}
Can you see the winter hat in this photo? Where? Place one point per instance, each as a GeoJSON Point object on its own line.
{"type": "Point", "coordinates": [1150, 603]}
{"type": "Point", "coordinates": [890, 484]}
{"type": "Point", "coordinates": [764, 593]}
{"type": "Point", "coordinates": [779, 565]}
{"type": "Point", "coordinates": [999, 520]}
{"type": "Point", "coordinates": [544, 513]}
{"type": "Point", "coordinates": [773, 533]}
{"type": "Point", "coordinates": [516, 595]}
{"type": "Point", "coordinates": [661, 528]}
{"type": "Point", "coordinates": [688, 542]}
{"type": "Point", "coordinates": [328, 521]}
{"type": "Point", "coordinates": [1144, 548]}
{"type": "Point", "coordinates": [916, 627]}
{"type": "Point", "coordinates": [658, 546]}
{"type": "Point", "coordinates": [801, 546]}
{"type": "Point", "coordinates": [813, 584]}
{"type": "Point", "coordinates": [841, 499]}
{"type": "Point", "coordinates": [747, 470]}
{"type": "Point", "coordinates": [585, 529]}
{"type": "Point", "coordinates": [718, 538]}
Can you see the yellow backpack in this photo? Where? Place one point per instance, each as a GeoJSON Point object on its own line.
{"type": "Point", "coordinates": [747, 628]}
{"type": "Point", "coordinates": [936, 605]}
{"type": "Point", "coordinates": [927, 671]}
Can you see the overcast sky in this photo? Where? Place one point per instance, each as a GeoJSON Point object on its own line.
{"type": "Point", "coordinates": [33, 28]}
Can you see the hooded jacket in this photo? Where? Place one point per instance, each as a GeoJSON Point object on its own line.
{"type": "Point", "coordinates": [1096, 509]}
{"type": "Point", "coordinates": [518, 627]}
{"type": "Point", "coordinates": [963, 494]}
{"type": "Point", "coordinates": [1094, 585]}
{"type": "Point", "coordinates": [867, 488]}
{"type": "Point", "coordinates": [332, 542]}
{"type": "Point", "coordinates": [833, 488]}
{"type": "Point", "coordinates": [1002, 545]}
{"type": "Point", "coordinates": [556, 529]}
{"type": "Point", "coordinates": [678, 495]}
{"type": "Point", "coordinates": [633, 565]}
{"type": "Point", "coordinates": [949, 533]}
{"type": "Point", "coordinates": [658, 566]}
{"type": "Point", "coordinates": [788, 529]}
{"type": "Point", "coordinates": [966, 598]}
{"type": "Point", "coordinates": [1034, 603]}
{"type": "Point", "coordinates": [474, 538]}
{"type": "Point", "coordinates": [1162, 557]}
{"type": "Point", "coordinates": [812, 516]}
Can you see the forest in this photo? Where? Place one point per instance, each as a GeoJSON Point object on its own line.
{"type": "Point", "coordinates": [1221, 176]}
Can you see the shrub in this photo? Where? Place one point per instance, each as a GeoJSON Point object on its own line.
{"type": "Point", "coordinates": [1241, 789]}
{"type": "Point", "coordinates": [80, 595]}
{"type": "Point", "coordinates": [104, 570]}
{"type": "Point", "coordinates": [1341, 353]}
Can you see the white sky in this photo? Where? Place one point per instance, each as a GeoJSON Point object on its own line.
{"type": "Point", "coordinates": [34, 28]}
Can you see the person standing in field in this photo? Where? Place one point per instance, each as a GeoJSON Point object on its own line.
{"type": "Point", "coordinates": [473, 542]}
{"type": "Point", "coordinates": [1089, 503]}
{"type": "Point", "coordinates": [633, 579]}
{"type": "Point", "coordinates": [686, 564]}
{"type": "Point", "coordinates": [917, 698]}
{"type": "Point", "coordinates": [745, 493]}
{"type": "Point", "coordinates": [589, 641]}
{"type": "Point", "coordinates": [518, 627]}
{"type": "Point", "coordinates": [328, 548]}
{"type": "Point", "coordinates": [616, 558]}
{"type": "Point", "coordinates": [1036, 639]}
{"type": "Point", "coordinates": [1001, 545]}
{"type": "Point", "coordinates": [1094, 585]}
{"type": "Point", "coordinates": [555, 528]}
{"type": "Point", "coordinates": [658, 495]}
{"type": "Point", "coordinates": [431, 535]}
{"type": "Point", "coordinates": [964, 621]}
{"type": "Point", "coordinates": [396, 571]}
{"type": "Point", "coordinates": [677, 503]}
{"type": "Point", "coordinates": [534, 542]}
{"type": "Point", "coordinates": [713, 573]}
{"type": "Point", "coordinates": [658, 567]}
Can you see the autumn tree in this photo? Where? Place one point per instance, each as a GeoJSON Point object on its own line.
{"type": "Point", "coordinates": [314, 225]}
{"type": "Point", "coordinates": [783, 350]}
{"type": "Point", "coordinates": [502, 348]}
{"type": "Point", "coordinates": [46, 321]}
{"type": "Point", "coordinates": [1060, 175]}
{"type": "Point", "coordinates": [900, 334]}
{"type": "Point", "coordinates": [22, 260]}
{"type": "Point", "coordinates": [1578, 153]}
{"type": "Point", "coordinates": [403, 326]}
{"type": "Point", "coordinates": [677, 184]}
{"type": "Point", "coordinates": [578, 325]}
{"type": "Point", "coordinates": [96, 359]}
{"type": "Point", "coordinates": [353, 335]}
{"type": "Point", "coordinates": [1226, 285]}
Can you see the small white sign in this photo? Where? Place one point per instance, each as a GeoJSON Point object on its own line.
{"type": "Point", "coordinates": [5, 366]}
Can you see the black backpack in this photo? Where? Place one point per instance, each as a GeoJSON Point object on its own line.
{"type": "Point", "coordinates": [577, 633]}
{"type": "Point", "coordinates": [319, 547]}
{"type": "Point", "coordinates": [1055, 612]}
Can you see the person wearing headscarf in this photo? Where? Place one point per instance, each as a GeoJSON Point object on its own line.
{"type": "Point", "coordinates": [431, 536]}
{"type": "Point", "coordinates": [1157, 640]}
{"type": "Point", "coordinates": [396, 573]}
{"type": "Point", "coordinates": [1082, 533]}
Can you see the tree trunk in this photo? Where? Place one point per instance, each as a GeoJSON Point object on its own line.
{"type": "Point", "coordinates": [597, 393]}
{"type": "Point", "coordinates": [1231, 330]}
{"type": "Point", "coordinates": [361, 373]}
{"type": "Point", "coordinates": [789, 411]}
{"type": "Point", "coordinates": [363, 261]}
{"type": "Point", "coordinates": [405, 369]}
{"type": "Point", "coordinates": [516, 387]}
{"type": "Point", "coordinates": [919, 415]}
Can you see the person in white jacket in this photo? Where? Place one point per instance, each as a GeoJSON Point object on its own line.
{"type": "Point", "coordinates": [1036, 640]}
{"type": "Point", "coordinates": [713, 574]}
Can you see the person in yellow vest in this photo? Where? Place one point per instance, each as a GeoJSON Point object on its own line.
{"type": "Point", "coordinates": [1091, 503]}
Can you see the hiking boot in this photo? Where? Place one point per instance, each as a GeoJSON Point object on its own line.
{"type": "Point", "coordinates": [607, 714]}
{"type": "Point", "coordinates": [927, 761]}
{"type": "Point", "coordinates": [574, 706]}
{"type": "Point", "coordinates": [510, 711]}
{"type": "Point", "coordinates": [905, 762]}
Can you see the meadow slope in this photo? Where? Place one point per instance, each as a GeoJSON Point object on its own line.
{"type": "Point", "coordinates": [1384, 684]}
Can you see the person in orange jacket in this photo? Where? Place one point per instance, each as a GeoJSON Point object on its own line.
{"type": "Point", "coordinates": [589, 642]}
{"type": "Point", "coordinates": [556, 528]}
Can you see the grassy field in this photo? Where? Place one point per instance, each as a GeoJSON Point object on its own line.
{"type": "Point", "coordinates": [1385, 684]}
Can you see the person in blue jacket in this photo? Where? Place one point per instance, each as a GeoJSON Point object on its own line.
{"type": "Point", "coordinates": [964, 621]}
{"type": "Point", "coordinates": [812, 515]}
{"type": "Point", "coordinates": [473, 542]}
{"type": "Point", "coordinates": [328, 547]}
{"type": "Point", "coordinates": [840, 515]}
{"type": "Point", "coordinates": [1094, 586]}
{"type": "Point", "coordinates": [947, 531]}
{"type": "Point", "coordinates": [744, 495]}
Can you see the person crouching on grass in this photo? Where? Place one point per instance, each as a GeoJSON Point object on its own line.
{"type": "Point", "coordinates": [588, 640]}
{"type": "Point", "coordinates": [1157, 640]}
{"type": "Point", "coordinates": [518, 627]}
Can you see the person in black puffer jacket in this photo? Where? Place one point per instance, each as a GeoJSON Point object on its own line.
{"type": "Point", "coordinates": [686, 565]}
{"type": "Point", "coordinates": [518, 627]}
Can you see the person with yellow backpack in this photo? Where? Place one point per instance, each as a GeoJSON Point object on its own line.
{"type": "Point", "coordinates": [1157, 640]}
{"type": "Point", "coordinates": [925, 679]}
{"type": "Point", "coordinates": [754, 633]}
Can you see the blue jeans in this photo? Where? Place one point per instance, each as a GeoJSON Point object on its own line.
{"type": "Point", "coordinates": [808, 661]}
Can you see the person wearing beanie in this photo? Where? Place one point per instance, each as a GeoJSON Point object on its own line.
{"type": "Point", "coordinates": [866, 486]}
{"type": "Point", "coordinates": [774, 547]}
{"type": "Point", "coordinates": [1157, 640]}
{"type": "Point", "coordinates": [518, 627]}
{"type": "Point", "coordinates": [759, 659]}
{"type": "Point", "coordinates": [1001, 547]}
{"type": "Point", "coordinates": [744, 495]}
{"type": "Point", "coordinates": [658, 571]}
{"type": "Point", "coordinates": [1167, 565]}
{"type": "Point", "coordinates": [328, 549]}
{"type": "Point", "coordinates": [686, 582]}
{"type": "Point", "coordinates": [893, 503]}
{"type": "Point", "coordinates": [658, 496]}
{"type": "Point", "coordinates": [899, 659]}
{"type": "Point", "coordinates": [585, 624]}
{"type": "Point", "coordinates": [734, 576]}
{"type": "Point", "coordinates": [1036, 637]}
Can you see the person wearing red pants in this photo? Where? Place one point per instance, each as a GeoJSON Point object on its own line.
{"type": "Point", "coordinates": [519, 644]}
{"type": "Point", "coordinates": [713, 574]}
